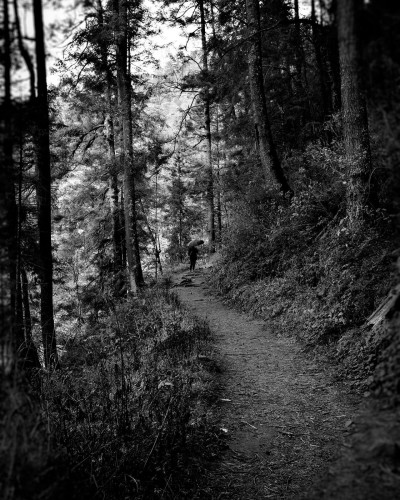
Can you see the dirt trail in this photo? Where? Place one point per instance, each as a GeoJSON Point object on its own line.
{"type": "Point", "coordinates": [286, 422]}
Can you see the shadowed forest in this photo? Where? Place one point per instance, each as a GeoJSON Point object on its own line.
{"type": "Point", "coordinates": [131, 130]}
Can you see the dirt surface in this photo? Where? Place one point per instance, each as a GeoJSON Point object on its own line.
{"type": "Point", "coordinates": [291, 432]}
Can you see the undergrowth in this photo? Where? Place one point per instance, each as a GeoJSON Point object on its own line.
{"type": "Point", "coordinates": [126, 416]}
{"type": "Point", "coordinates": [298, 266]}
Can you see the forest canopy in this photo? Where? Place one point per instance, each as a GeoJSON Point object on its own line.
{"type": "Point", "coordinates": [128, 128]}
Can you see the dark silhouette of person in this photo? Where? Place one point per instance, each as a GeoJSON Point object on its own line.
{"type": "Point", "coordinates": [193, 251]}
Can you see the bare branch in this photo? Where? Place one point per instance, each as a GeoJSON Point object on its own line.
{"type": "Point", "coordinates": [82, 137]}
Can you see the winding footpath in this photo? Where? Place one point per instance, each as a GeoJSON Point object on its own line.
{"type": "Point", "coordinates": [291, 431]}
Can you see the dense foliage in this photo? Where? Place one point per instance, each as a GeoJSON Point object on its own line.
{"type": "Point", "coordinates": [271, 132]}
{"type": "Point", "coordinates": [127, 415]}
{"type": "Point", "coordinates": [300, 264]}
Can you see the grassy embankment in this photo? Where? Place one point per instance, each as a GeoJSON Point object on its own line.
{"type": "Point", "coordinates": [299, 268]}
{"type": "Point", "coordinates": [126, 416]}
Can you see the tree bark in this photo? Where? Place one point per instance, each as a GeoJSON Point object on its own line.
{"type": "Point", "coordinates": [301, 81]}
{"type": "Point", "coordinates": [298, 45]}
{"type": "Point", "coordinates": [207, 125]}
{"type": "Point", "coordinates": [114, 189]}
{"type": "Point", "coordinates": [43, 194]}
{"type": "Point", "coordinates": [124, 90]}
{"type": "Point", "coordinates": [32, 357]}
{"type": "Point", "coordinates": [25, 53]}
{"type": "Point", "coordinates": [354, 112]}
{"type": "Point", "coordinates": [8, 250]}
{"type": "Point", "coordinates": [157, 236]}
{"type": "Point", "coordinates": [25, 300]}
{"type": "Point", "coordinates": [114, 198]}
{"type": "Point", "coordinates": [19, 321]}
{"type": "Point", "coordinates": [316, 39]}
{"type": "Point", "coordinates": [333, 59]}
{"type": "Point", "coordinates": [267, 150]}
{"type": "Point", "coordinates": [219, 190]}
{"type": "Point", "coordinates": [122, 226]}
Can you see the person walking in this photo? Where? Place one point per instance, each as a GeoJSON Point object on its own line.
{"type": "Point", "coordinates": [193, 251]}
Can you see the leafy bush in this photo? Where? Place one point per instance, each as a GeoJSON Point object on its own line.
{"type": "Point", "coordinates": [299, 261]}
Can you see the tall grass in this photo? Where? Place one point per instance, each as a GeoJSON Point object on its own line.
{"type": "Point", "coordinates": [125, 417]}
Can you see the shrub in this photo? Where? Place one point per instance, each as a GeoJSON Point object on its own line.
{"type": "Point", "coordinates": [127, 411]}
{"type": "Point", "coordinates": [299, 261]}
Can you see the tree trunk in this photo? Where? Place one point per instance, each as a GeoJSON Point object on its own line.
{"type": "Point", "coordinates": [114, 200]}
{"type": "Point", "coordinates": [25, 53]}
{"type": "Point", "coordinates": [316, 39]}
{"type": "Point", "coordinates": [333, 59]}
{"type": "Point", "coordinates": [25, 301]}
{"type": "Point", "coordinates": [122, 226]}
{"type": "Point", "coordinates": [267, 150]}
{"type": "Point", "coordinates": [354, 112]}
{"type": "Point", "coordinates": [7, 214]}
{"type": "Point", "coordinates": [219, 194]}
{"type": "Point", "coordinates": [124, 90]}
{"type": "Point", "coordinates": [109, 135]}
{"type": "Point", "coordinates": [207, 125]}
{"type": "Point", "coordinates": [19, 321]}
{"type": "Point", "coordinates": [180, 211]}
{"type": "Point", "coordinates": [157, 236]}
{"type": "Point", "coordinates": [299, 59]}
{"type": "Point", "coordinates": [301, 81]}
{"type": "Point", "coordinates": [156, 251]}
{"type": "Point", "coordinates": [219, 206]}
{"type": "Point", "coordinates": [32, 357]}
{"type": "Point", "coordinates": [43, 193]}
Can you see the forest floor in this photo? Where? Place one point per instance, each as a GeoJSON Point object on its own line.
{"type": "Point", "coordinates": [292, 432]}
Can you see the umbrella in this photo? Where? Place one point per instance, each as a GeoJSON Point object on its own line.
{"type": "Point", "coordinates": [195, 243]}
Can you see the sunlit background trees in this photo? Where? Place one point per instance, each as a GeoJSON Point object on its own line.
{"type": "Point", "coordinates": [128, 128]}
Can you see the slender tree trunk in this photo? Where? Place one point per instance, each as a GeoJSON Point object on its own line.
{"type": "Point", "coordinates": [122, 226]}
{"type": "Point", "coordinates": [25, 301]}
{"type": "Point", "coordinates": [219, 206]}
{"type": "Point", "coordinates": [316, 39]}
{"type": "Point", "coordinates": [354, 112]}
{"type": "Point", "coordinates": [7, 213]}
{"type": "Point", "coordinates": [25, 53]}
{"type": "Point", "coordinates": [157, 237]}
{"type": "Point", "coordinates": [207, 124]}
{"type": "Point", "coordinates": [32, 356]}
{"type": "Point", "coordinates": [19, 321]}
{"type": "Point", "coordinates": [299, 60]}
{"type": "Point", "coordinates": [154, 240]}
{"type": "Point", "coordinates": [136, 246]}
{"type": "Point", "coordinates": [114, 199]}
{"type": "Point", "coordinates": [19, 317]}
{"type": "Point", "coordinates": [43, 194]}
{"type": "Point", "coordinates": [124, 90]}
{"type": "Point", "coordinates": [109, 134]}
{"type": "Point", "coordinates": [130, 256]}
{"type": "Point", "coordinates": [180, 212]}
{"type": "Point", "coordinates": [333, 59]}
{"type": "Point", "coordinates": [267, 150]}
{"type": "Point", "coordinates": [212, 14]}
{"type": "Point", "coordinates": [301, 80]}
